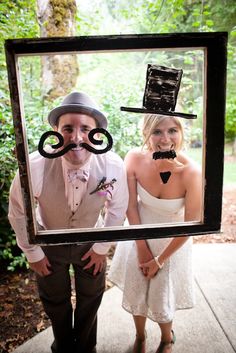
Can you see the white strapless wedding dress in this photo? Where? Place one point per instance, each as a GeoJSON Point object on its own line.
{"type": "Point", "coordinates": [172, 287]}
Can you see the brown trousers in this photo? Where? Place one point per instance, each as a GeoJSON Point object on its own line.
{"type": "Point", "coordinates": [74, 330]}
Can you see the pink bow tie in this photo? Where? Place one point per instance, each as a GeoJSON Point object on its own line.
{"type": "Point", "coordinates": [77, 174]}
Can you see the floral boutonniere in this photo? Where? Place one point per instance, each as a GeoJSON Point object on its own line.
{"type": "Point", "coordinates": [103, 187]}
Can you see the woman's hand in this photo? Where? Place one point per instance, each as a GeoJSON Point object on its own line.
{"type": "Point", "coordinates": [144, 255]}
{"type": "Point", "coordinates": [150, 268]}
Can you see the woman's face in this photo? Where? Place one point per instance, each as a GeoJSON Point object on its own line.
{"type": "Point", "coordinates": [75, 128]}
{"type": "Point", "coordinates": [166, 136]}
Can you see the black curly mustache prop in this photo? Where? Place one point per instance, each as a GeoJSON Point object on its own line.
{"type": "Point", "coordinates": [98, 142]}
{"type": "Point", "coordinates": [73, 145]}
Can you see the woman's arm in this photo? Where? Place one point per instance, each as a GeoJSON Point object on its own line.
{"type": "Point", "coordinates": [131, 162]}
{"type": "Point", "coordinates": [192, 208]}
{"type": "Point", "coordinates": [132, 211]}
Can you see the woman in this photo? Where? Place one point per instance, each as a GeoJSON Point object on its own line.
{"type": "Point", "coordinates": [156, 277]}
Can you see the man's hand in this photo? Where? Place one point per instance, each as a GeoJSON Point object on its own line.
{"type": "Point", "coordinates": [96, 260]}
{"type": "Point", "coordinates": [42, 267]}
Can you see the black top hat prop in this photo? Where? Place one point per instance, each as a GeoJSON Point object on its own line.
{"type": "Point", "coordinates": [161, 91]}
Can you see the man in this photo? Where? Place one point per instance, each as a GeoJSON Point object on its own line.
{"type": "Point", "coordinates": [64, 190]}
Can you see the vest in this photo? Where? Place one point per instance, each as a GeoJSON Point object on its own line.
{"type": "Point", "coordinates": [52, 203]}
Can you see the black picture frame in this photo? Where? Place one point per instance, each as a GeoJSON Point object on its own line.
{"type": "Point", "coordinates": [214, 45]}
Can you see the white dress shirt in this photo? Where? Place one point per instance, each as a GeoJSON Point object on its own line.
{"type": "Point", "coordinates": [74, 190]}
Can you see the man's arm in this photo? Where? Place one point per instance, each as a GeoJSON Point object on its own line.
{"type": "Point", "coordinates": [16, 216]}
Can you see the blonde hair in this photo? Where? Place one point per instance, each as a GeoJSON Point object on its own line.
{"type": "Point", "coordinates": [151, 122]}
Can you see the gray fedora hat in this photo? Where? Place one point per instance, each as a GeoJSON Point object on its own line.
{"type": "Point", "coordinates": [78, 102]}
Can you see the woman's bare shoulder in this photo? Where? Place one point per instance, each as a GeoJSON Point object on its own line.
{"type": "Point", "coordinates": [134, 159]}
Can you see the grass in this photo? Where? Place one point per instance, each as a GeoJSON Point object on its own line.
{"type": "Point", "coordinates": [229, 166]}
{"type": "Point", "coordinates": [195, 154]}
{"type": "Point", "coordinates": [229, 173]}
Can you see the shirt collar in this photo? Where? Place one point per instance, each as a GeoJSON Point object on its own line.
{"type": "Point", "coordinates": [68, 166]}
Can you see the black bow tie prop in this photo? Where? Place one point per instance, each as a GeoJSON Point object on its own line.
{"type": "Point", "coordinates": [73, 145]}
{"type": "Point", "coordinates": [164, 155]}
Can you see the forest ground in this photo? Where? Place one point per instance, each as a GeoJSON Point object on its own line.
{"type": "Point", "coordinates": [21, 312]}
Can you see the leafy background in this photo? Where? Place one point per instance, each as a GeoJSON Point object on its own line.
{"type": "Point", "coordinates": [18, 19]}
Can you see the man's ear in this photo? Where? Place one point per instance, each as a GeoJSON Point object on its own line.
{"type": "Point", "coordinates": [55, 128]}
{"type": "Point", "coordinates": [98, 136]}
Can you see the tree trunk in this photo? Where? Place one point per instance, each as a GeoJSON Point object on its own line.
{"type": "Point", "coordinates": [59, 72]}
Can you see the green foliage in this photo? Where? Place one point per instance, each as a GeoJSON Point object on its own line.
{"type": "Point", "coordinates": [17, 20]}
{"type": "Point", "coordinates": [123, 127]}
{"type": "Point", "coordinates": [148, 16]}
{"type": "Point", "coordinates": [7, 171]}
{"type": "Point", "coordinates": [230, 124]}
{"type": "Point", "coordinates": [12, 255]}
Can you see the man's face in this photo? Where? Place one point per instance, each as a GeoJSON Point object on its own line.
{"type": "Point", "coordinates": [75, 127]}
